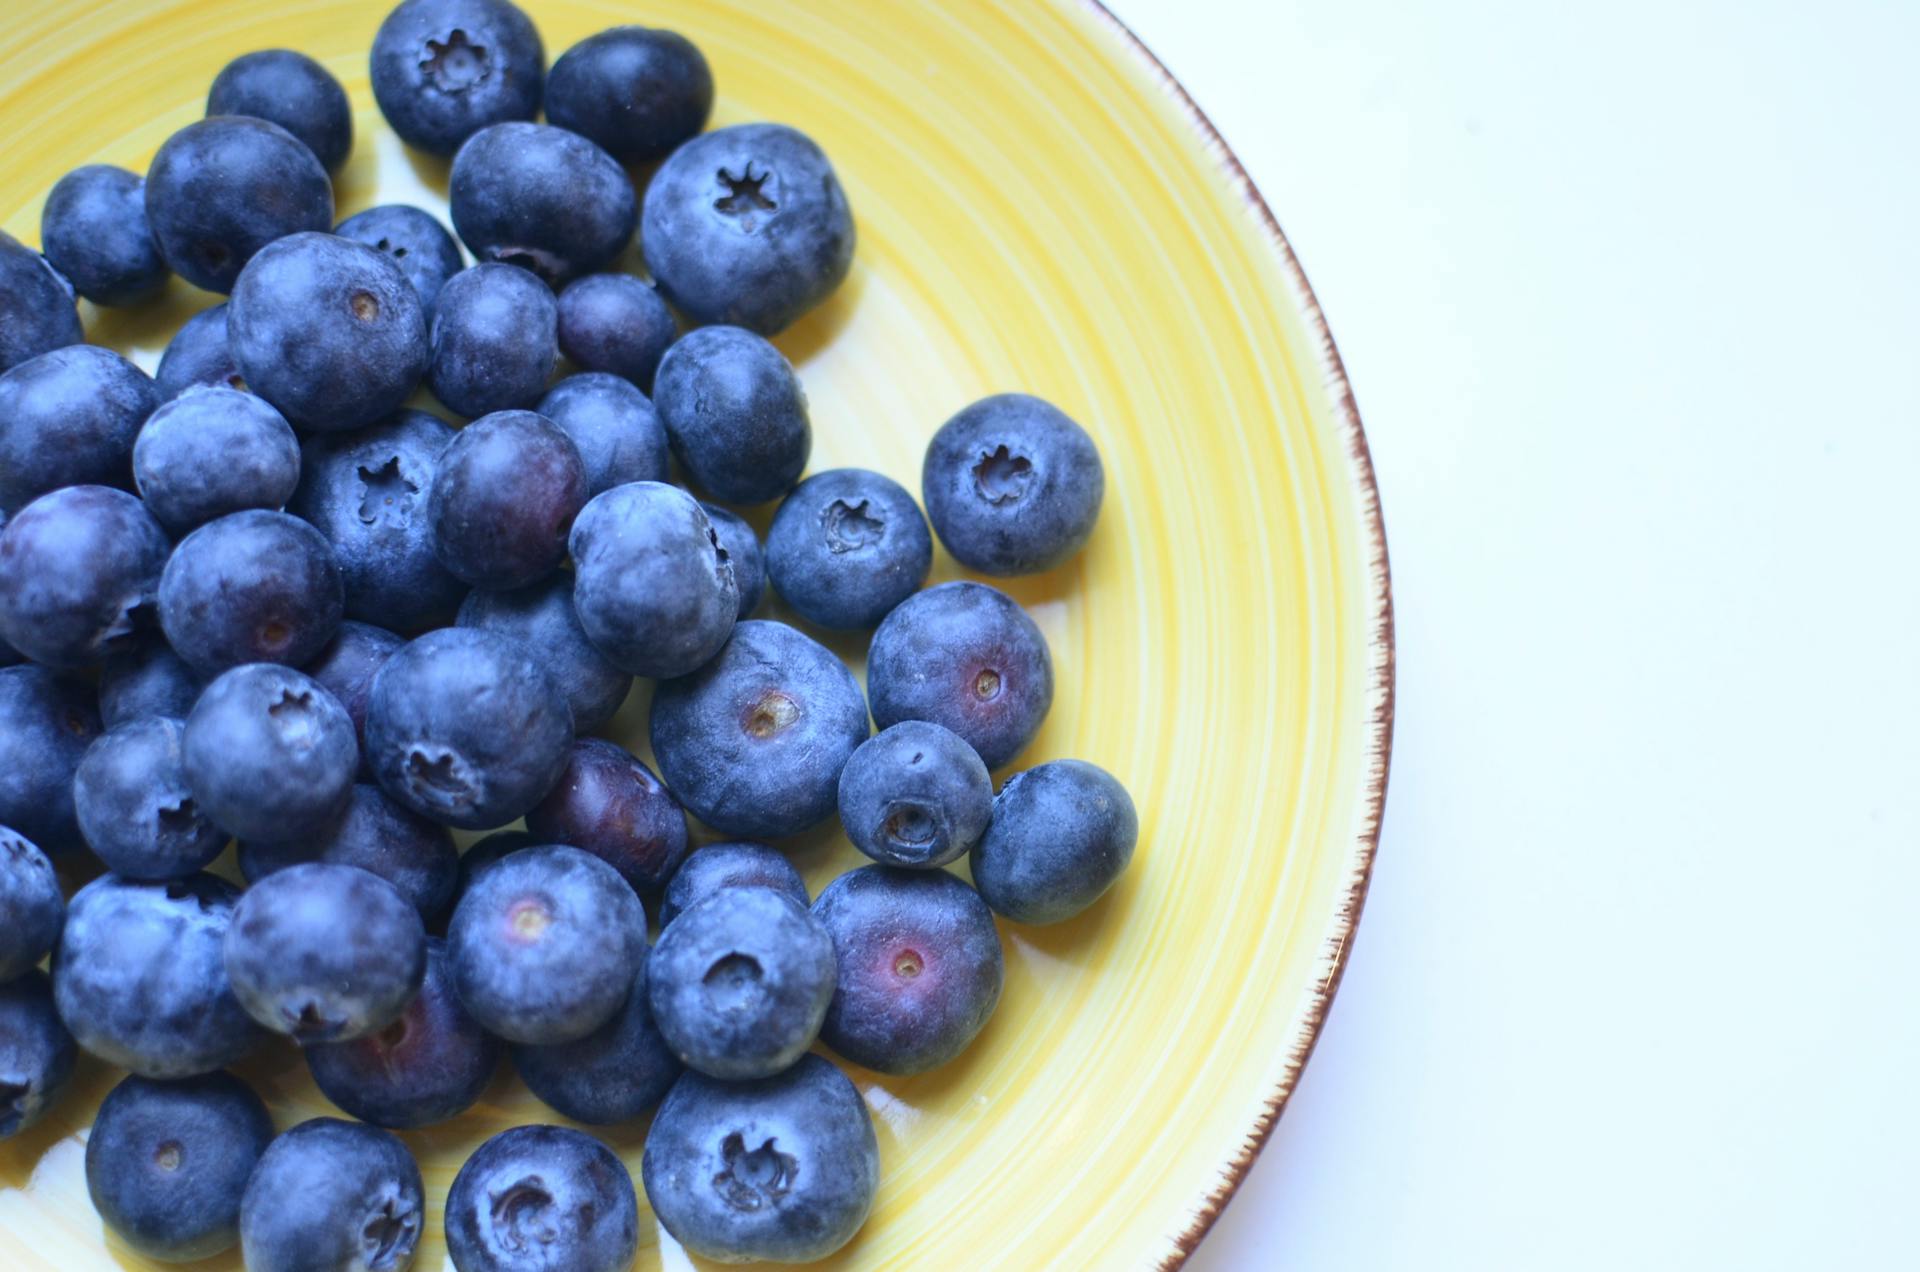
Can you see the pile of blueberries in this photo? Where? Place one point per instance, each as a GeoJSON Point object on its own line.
{"type": "Point", "coordinates": [258, 598]}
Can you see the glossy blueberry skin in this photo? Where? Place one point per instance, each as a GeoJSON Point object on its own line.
{"type": "Point", "coordinates": [328, 1195]}
{"type": "Point", "coordinates": [783, 1169]}
{"type": "Point", "coordinates": [46, 724]}
{"type": "Point", "coordinates": [413, 854]}
{"type": "Point", "coordinates": [742, 547]}
{"type": "Point", "coordinates": [610, 804]}
{"type": "Point", "coordinates": [542, 1199]}
{"type": "Point", "coordinates": [847, 546]}
{"type": "Point", "coordinates": [545, 945]}
{"type": "Point", "coordinates": [415, 240]}
{"type": "Point", "coordinates": [920, 967]}
{"type": "Point", "coordinates": [36, 1051]}
{"type": "Point", "coordinates": [444, 69]}
{"type": "Point", "coordinates": [614, 426]}
{"type": "Point", "coordinates": [269, 753]}
{"type": "Point", "coordinates": [614, 1074]}
{"type": "Point", "coordinates": [148, 680]}
{"type": "Point", "coordinates": [753, 742]}
{"type": "Point", "coordinates": [71, 417]}
{"type": "Point", "coordinates": [747, 225]}
{"type": "Point", "coordinates": [346, 668]}
{"type": "Point", "coordinates": [32, 910]}
{"type": "Point", "coordinates": [504, 498]}
{"type": "Point", "coordinates": [1062, 833]}
{"type": "Point", "coordinates": [652, 586]}
{"type": "Point", "coordinates": [367, 493]}
{"type": "Point", "coordinates": [542, 198]}
{"type": "Point", "coordinates": [198, 356]}
{"type": "Point", "coordinates": [618, 324]}
{"type": "Point", "coordinates": [495, 340]}
{"type": "Point", "coordinates": [211, 452]}
{"type": "Point", "coordinates": [965, 656]}
{"type": "Point", "coordinates": [79, 572]}
{"type": "Point", "coordinates": [734, 413]}
{"type": "Point", "coordinates": [141, 981]}
{"type": "Point", "coordinates": [541, 617]}
{"type": "Point", "coordinates": [466, 727]}
{"type": "Point", "coordinates": [221, 189]}
{"type": "Point", "coordinates": [1013, 485]}
{"type": "Point", "coordinates": [37, 310]}
{"type": "Point", "coordinates": [167, 1162]}
{"type": "Point", "coordinates": [717, 867]}
{"type": "Point", "coordinates": [915, 795]}
{"type": "Point", "coordinates": [94, 230]}
{"type": "Point", "coordinates": [634, 91]}
{"type": "Point", "coordinates": [251, 586]}
{"type": "Point", "coordinates": [292, 90]}
{"type": "Point", "coordinates": [130, 794]}
{"type": "Point", "coordinates": [426, 1067]}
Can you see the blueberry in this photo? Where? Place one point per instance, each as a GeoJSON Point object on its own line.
{"type": "Point", "coordinates": [495, 340]}
{"type": "Point", "coordinates": [292, 90]}
{"type": "Point", "coordinates": [136, 812]}
{"type": "Point", "coordinates": [1062, 833]}
{"type": "Point", "coordinates": [141, 981]}
{"type": "Point", "coordinates": [32, 911]}
{"type": "Point", "coordinates": [651, 584]}
{"type": "Point", "coordinates": [611, 805]}
{"type": "Point", "coordinates": [542, 1199]}
{"type": "Point", "coordinates": [920, 967]}
{"type": "Point", "coordinates": [94, 230]}
{"type": "Point", "coordinates": [421, 246]}
{"type": "Point", "coordinates": [198, 356]}
{"type": "Point", "coordinates": [221, 189]}
{"type": "Point", "coordinates": [613, 425]}
{"type": "Point", "coordinates": [147, 680]}
{"type": "Point", "coordinates": [444, 69]}
{"type": "Point", "coordinates": [330, 1195]}
{"type": "Point", "coordinates": [207, 453]}
{"type": "Point", "coordinates": [1013, 485]}
{"type": "Point", "coordinates": [467, 728]}
{"type": "Point", "coordinates": [748, 225]}
{"type": "Point", "coordinates": [71, 417]}
{"type": "Point", "coordinates": [753, 742]}
{"type": "Point", "coordinates": [965, 656]}
{"type": "Point", "coordinates": [717, 867]}
{"type": "Point", "coordinates": [742, 547]}
{"type": "Point", "coordinates": [167, 1162]}
{"type": "Point", "coordinates": [37, 309]}
{"type": "Point", "coordinates": [545, 945]}
{"type": "Point", "coordinates": [915, 795]}
{"type": "Point", "coordinates": [735, 414]}
{"type": "Point", "coordinates": [487, 850]}
{"type": "Point", "coordinates": [847, 546]}
{"type": "Point", "coordinates": [784, 1168]}
{"type": "Point", "coordinates": [618, 324]}
{"type": "Point", "coordinates": [504, 498]}
{"type": "Point", "coordinates": [251, 586]}
{"type": "Point", "coordinates": [367, 493]}
{"type": "Point", "coordinates": [79, 570]}
{"type": "Point", "coordinates": [269, 753]}
{"type": "Point", "coordinates": [46, 724]}
{"type": "Point", "coordinates": [429, 1065]}
{"type": "Point", "coordinates": [542, 198]}
{"type": "Point", "coordinates": [542, 618]}
{"type": "Point", "coordinates": [36, 1051]}
{"type": "Point", "coordinates": [346, 668]}
{"type": "Point", "coordinates": [636, 92]}
{"type": "Point", "coordinates": [413, 854]}
{"type": "Point", "coordinates": [614, 1074]}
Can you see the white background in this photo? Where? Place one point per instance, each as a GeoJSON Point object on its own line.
{"type": "Point", "coordinates": [1630, 296]}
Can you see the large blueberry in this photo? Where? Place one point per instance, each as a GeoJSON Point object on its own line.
{"type": "Point", "coordinates": [920, 967]}
{"type": "Point", "coordinates": [742, 546]}
{"type": "Point", "coordinates": [1012, 484]}
{"type": "Point", "coordinates": [147, 680]}
{"type": "Point", "coordinates": [611, 805]}
{"type": "Point", "coordinates": [652, 585]}
{"type": "Point", "coordinates": [198, 356]}
{"type": "Point", "coordinates": [753, 742]}
{"type": "Point", "coordinates": [269, 753]}
{"type": "Point", "coordinates": [847, 546]}
{"type": "Point", "coordinates": [915, 795]}
{"type": "Point", "coordinates": [413, 854]}
{"type": "Point", "coordinates": [542, 1199]}
{"type": "Point", "coordinates": [614, 1074]}
{"type": "Point", "coordinates": [417, 242]}
{"type": "Point", "coordinates": [467, 728]}
{"type": "Point", "coordinates": [71, 417]}
{"type": "Point", "coordinates": [292, 90]}
{"type": "Point", "coordinates": [618, 324]}
{"type": "Point", "coordinates": [748, 225]}
{"type": "Point", "coordinates": [495, 340]}
{"type": "Point", "coordinates": [735, 414]}
{"type": "Point", "coordinates": [37, 309]}
{"type": "Point", "coordinates": [542, 198]}
{"type": "Point", "coordinates": [504, 498]}
{"type": "Point", "coordinates": [485, 851]}
{"type": "Point", "coordinates": [211, 452]}
{"type": "Point", "coordinates": [613, 425]}
{"type": "Point", "coordinates": [346, 668]}
{"type": "Point", "coordinates": [32, 910]}
{"type": "Point", "coordinates": [542, 618]}
{"type": "Point", "coordinates": [79, 570]}
{"type": "Point", "coordinates": [221, 189]}
{"type": "Point", "coordinates": [716, 867]}
{"type": "Point", "coordinates": [46, 724]}
{"type": "Point", "coordinates": [783, 1169]}
{"type": "Point", "coordinates": [251, 586]}
{"type": "Point", "coordinates": [966, 656]}
{"type": "Point", "coordinates": [94, 230]}
{"type": "Point", "coordinates": [130, 794]}
{"type": "Point", "coordinates": [545, 945]}
{"type": "Point", "coordinates": [331, 1194]}
{"type": "Point", "coordinates": [140, 976]}
{"type": "Point", "coordinates": [637, 92]}
{"type": "Point", "coordinates": [444, 69]}
{"type": "Point", "coordinates": [36, 1051]}
{"type": "Point", "coordinates": [1061, 834]}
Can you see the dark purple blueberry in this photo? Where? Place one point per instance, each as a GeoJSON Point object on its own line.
{"type": "Point", "coordinates": [251, 587]}
{"type": "Point", "coordinates": [292, 90]}
{"type": "Point", "coordinates": [94, 231]}
{"type": "Point", "coordinates": [920, 967]}
{"type": "Point", "coordinates": [618, 324]}
{"type": "Point", "coordinates": [503, 499]}
{"type": "Point", "coordinates": [846, 547]}
{"type": "Point", "coordinates": [32, 910]}
{"type": "Point", "coordinates": [148, 680]}
{"type": "Point", "coordinates": [79, 570]}
{"type": "Point", "coordinates": [421, 246]}
{"type": "Point", "coordinates": [444, 69]}
{"type": "Point", "coordinates": [542, 618]}
{"type": "Point", "coordinates": [613, 425]}
{"type": "Point", "coordinates": [36, 1051]}
{"type": "Point", "coordinates": [614, 1074]}
{"type": "Point", "coordinates": [1062, 833]}
{"type": "Point", "coordinates": [742, 546]}
{"type": "Point", "coordinates": [198, 356]}
{"type": "Point", "coordinates": [1012, 485]}
{"type": "Point", "coordinates": [211, 452]}
{"type": "Point", "coordinates": [413, 854]}
{"type": "Point", "coordinates": [332, 1194]}
{"type": "Point", "coordinates": [130, 794]}
{"type": "Point", "coordinates": [716, 867]}
{"type": "Point", "coordinates": [542, 1199]}
{"type": "Point", "coordinates": [221, 189]}
{"type": "Point", "coordinates": [915, 795]}
{"type": "Point", "coordinates": [753, 742]}
{"type": "Point", "coordinates": [636, 92]}
{"type": "Point", "coordinates": [269, 754]}
{"type": "Point", "coordinates": [611, 805]}
{"type": "Point", "coordinates": [651, 583]}
{"type": "Point", "coordinates": [37, 309]}
{"type": "Point", "coordinates": [71, 417]}
{"type": "Point", "coordinates": [495, 340]}
{"type": "Point", "coordinates": [46, 724]}
{"type": "Point", "coordinates": [487, 850]}
{"type": "Point", "coordinates": [346, 668]}
{"type": "Point", "coordinates": [542, 198]}
{"type": "Point", "coordinates": [735, 414]}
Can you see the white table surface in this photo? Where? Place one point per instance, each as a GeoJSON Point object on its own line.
{"type": "Point", "coordinates": [1630, 296]}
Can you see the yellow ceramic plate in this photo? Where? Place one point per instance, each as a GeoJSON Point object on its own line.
{"type": "Point", "coordinates": [1040, 208]}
